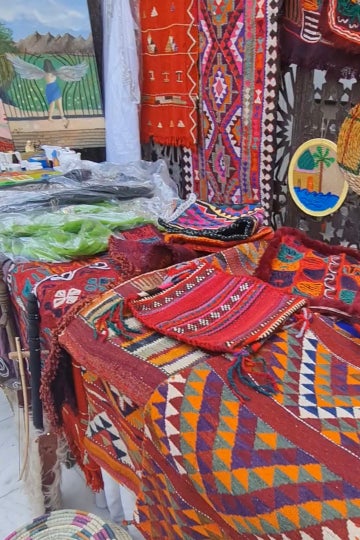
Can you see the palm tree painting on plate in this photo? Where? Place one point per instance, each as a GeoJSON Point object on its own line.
{"type": "Point", "coordinates": [315, 180]}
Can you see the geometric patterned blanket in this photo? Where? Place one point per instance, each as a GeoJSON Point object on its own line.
{"type": "Point", "coordinates": [206, 463]}
{"type": "Point", "coordinates": [258, 475]}
{"type": "Point", "coordinates": [99, 331]}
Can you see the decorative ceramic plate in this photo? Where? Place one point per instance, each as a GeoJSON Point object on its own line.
{"type": "Point", "coordinates": [316, 182]}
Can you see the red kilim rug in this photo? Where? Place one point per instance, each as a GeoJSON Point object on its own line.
{"type": "Point", "coordinates": [170, 75]}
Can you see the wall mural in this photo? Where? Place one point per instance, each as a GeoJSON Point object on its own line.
{"type": "Point", "coordinates": [6, 143]}
{"type": "Point", "coordinates": [49, 81]}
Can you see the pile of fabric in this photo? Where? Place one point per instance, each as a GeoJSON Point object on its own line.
{"type": "Point", "coordinates": [224, 390]}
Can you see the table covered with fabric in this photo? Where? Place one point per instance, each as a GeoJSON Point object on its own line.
{"type": "Point", "coordinates": [260, 440]}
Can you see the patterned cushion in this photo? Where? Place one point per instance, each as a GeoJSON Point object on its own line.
{"type": "Point", "coordinates": [328, 275]}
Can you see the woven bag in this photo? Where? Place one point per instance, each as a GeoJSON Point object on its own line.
{"type": "Point", "coordinates": [348, 148]}
{"type": "Point", "coordinates": [68, 524]}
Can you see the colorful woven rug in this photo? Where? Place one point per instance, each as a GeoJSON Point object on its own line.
{"type": "Point", "coordinates": [321, 34]}
{"type": "Point", "coordinates": [114, 434]}
{"type": "Point", "coordinates": [169, 38]}
{"type": "Point", "coordinates": [213, 310]}
{"type": "Point", "coordinates": [92, 334]}
{"type": "Point", "coordinates": [219, 222]}
{"type": "Point", "coordinates": [260, 476]}
{"type": "Point", "coordinates": [238, 80]}
{"type": "Point", "coordinates": [328, 275]}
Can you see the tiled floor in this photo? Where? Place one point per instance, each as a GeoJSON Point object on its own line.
{"type": "Point", "coordinates": [15, 509]}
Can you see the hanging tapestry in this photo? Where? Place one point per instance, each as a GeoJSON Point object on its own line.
{"type": "Point", "coordinates": [321, 34]}
{"type": "Point", "coordinates": [238, 59]}
{"type": "Point", "coordinates": [170, 74]}
{"type": "Point", "coordinates": [343, 18]}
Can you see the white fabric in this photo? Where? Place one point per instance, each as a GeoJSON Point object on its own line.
{"type": "Point", "coordinates": [113, 497]}
{"type": "Point", "coordinates": [121, 504]}
{"type": "Point", "coordinates": [121, 82]}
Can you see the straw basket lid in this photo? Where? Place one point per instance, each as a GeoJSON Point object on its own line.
{"type": "Point", "coordinates": [67, 525]}
{"type": "Point", "coordinates": [348, 148]}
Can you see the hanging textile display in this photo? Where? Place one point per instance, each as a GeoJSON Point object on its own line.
{"type": "Point", "coordinates": [170, 75]}
{"type": "Point", "coordinates": [122, 91]}
{"type": "Point", "coordinates": [238, 101]}
{"type": "Point", "coordinates": [342, 24]}
{"type": "Point", "coordinates": [321, 34]}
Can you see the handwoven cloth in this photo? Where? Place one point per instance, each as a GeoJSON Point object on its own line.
{"type": "Point", "coordinates": [145, 250]}
{"type": "Point", "coordinates": [314, 34]}
{"type": "Point", "coordinates": [214, 310]}
{"type": "Point", "coordinates": [238, 81]}
{"type": "Point", "coordinates": [280, 468]}
{"type": "Point", "coordinates": [138, 364]}
{"type": "Point", "coordinates": [170, 76]}
{"type": "Point", "coordinates": [218, 222]}
{"type": "Point", "coordinates": [67, 524]}
{"type": "Point", "coordinates": [329, 276]}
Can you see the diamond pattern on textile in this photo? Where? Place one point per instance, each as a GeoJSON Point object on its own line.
{"type": "Point", "coordinates": [316, 385]}
{"type": "Point", "coordinates": [238, 63]}
{"type": "Point", "coordinates": [229, 453]}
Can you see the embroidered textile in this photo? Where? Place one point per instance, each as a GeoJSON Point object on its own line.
{"type": "Point", "coordinates": [328, 275]}
{"type": "Point", "coordinates": [56, 293]}
{"type": "Point", "coordinates": [316, 33]}
{"type": "Point", "coordinates": [342, 24]}
{"type": "Point", "coordinates": [238, 80]}
{"type": "Point", "coordinates": [170, 76]}
{"type": "Point", "coordinates": [213, 310]}
{"type": "Point", "coordinates": [21, 278]}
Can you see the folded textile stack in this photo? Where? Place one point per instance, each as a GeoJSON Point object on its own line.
{"type": "Point", "coordinates": [209, 227]}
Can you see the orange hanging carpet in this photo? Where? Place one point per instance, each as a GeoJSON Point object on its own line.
{"type": "Point", "coordinates": [169, 38]}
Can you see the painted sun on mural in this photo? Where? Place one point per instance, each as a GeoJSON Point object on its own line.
{"type": "Point", "coordinates": [49, 82]}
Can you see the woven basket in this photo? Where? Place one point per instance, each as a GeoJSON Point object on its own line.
{"type": "Point", "coordinates": [67, 525]}
{"type": "Point", "coordinates": [348, 148]}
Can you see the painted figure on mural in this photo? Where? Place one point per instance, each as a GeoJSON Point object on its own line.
{"type": "Point", "coordinates": [53, 93]}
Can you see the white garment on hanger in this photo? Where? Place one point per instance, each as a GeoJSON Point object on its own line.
{"type": "Point", "coordinates": [121, 82]}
